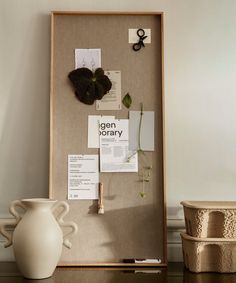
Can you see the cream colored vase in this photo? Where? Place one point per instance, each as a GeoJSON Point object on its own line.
{"type": "Point", "coordinates": [37, 238]}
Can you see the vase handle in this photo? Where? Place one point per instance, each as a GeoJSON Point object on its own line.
{"type": "Point", "coordinates": [3, 230]}
{"type": "Point", "coordinates": [70, 224]}
{"type": "Point", "coordinates": [14, 212]}
{"type": "Point", "coordinates": [11, 222]}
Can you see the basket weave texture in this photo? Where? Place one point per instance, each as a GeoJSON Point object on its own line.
{"type": "Point", "coordinates": [209, 244]}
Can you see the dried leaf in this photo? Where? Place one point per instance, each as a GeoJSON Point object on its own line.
{"type": "Point", "coordinates": [99, 72]}
{"type": "Point", "coordinates": [89, 86]}
{"type": "Point", "coordinates": [127, 100]}
{"type": "Point", "coordinates": [142, 194]}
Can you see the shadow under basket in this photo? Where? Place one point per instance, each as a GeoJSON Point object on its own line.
{"type": "Point", "coordinates": [190, 277]}
{"type": "Point", "coordinates": [210, 219]}
{"type": "Point", "coordinates": [209, 254]}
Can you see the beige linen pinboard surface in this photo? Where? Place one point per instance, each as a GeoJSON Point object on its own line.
{"type": "Point", "coordinates": [132, 227]}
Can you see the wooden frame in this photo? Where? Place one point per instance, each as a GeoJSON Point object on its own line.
{"type": "Point", "coordinates": [60, 28]}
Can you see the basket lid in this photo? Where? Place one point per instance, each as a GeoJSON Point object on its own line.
{"type": "Point", "coordinates": [210, 204]}
{"type": "Point", "coordinates": [214, 240]}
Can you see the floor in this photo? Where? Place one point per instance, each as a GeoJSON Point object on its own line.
{"type": "Point", "coordinates": [175, 273]}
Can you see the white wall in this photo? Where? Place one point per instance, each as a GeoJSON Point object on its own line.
{"type": "Point", "coordinates": [200, 62]}
{"type": "Point", "coordinates": [200, 97]}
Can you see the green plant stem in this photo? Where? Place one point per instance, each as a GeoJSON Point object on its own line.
{"type": "Point", "coordinates": [143, 185]}
{"type": "Point", "coordinates": [139, 128]}
{"type": "Point", "coordinates": [139, 134]}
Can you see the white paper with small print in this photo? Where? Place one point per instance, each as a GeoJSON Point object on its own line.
{"type": "Point", "coordinates": [83, 177]}
{"type": "Point", "coordinates": [115, 155]}
{"type": "Point", "coordinates": [111, 100]}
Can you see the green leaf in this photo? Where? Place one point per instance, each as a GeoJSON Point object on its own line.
{"type": "Point", "coordinates": [127, 100]}
{"type": "Point", "coordinates": [142, 194]}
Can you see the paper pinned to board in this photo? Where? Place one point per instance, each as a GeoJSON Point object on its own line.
{"type": "Point", "coordinates": [133, 37]}
{"type": "Point", "coordinates": [88, 58]}
{"type": "Point", "coordinates": [83, 177]}
{"type": "Point", "coordinates": [93, 129]}
{"type": "Point", "coordinates": [115, 155]}
{"type": "Point", "coordinates": [111, 100]}
{"type": "Point", "coordinates": [146, 131]}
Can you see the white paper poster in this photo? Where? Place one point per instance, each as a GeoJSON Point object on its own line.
{"type": "Point", "coordinates": [93, 129]}
{"type": "Point", "coordinates": [88, 58]}
{"type": "Point", "coordinates": [111, 100]}
{"type": "Point", "coordinates": [83, 177]}
{"type": "Point", "coordinates": [114, 142]}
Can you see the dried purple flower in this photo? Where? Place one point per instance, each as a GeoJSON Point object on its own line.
{"type": "Point", "coordinates": [89, 86]}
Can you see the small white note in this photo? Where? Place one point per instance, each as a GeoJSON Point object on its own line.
{"type": "Point", "coordinates": [83, 177]}
{"type": "Point", "coordinates": [88, 58]}
{"type": "Point", "coordinates": [134, 38]}
{"type": "Point", "coordinates": [111, 100]}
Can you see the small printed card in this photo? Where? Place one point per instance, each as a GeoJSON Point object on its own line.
{"type": "Point", "coordinates": [111, 100]}
{"type": "Point", "coordinates": [83, 177]}
{"type": "Point", "coordinates": [88, 58]}
{"type": "Point", "coordinates": [115, 155]}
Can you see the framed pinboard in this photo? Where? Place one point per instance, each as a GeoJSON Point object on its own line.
{"type": "Point", "coordinates": [133, 225]}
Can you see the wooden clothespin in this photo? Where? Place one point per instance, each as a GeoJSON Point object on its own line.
{"type": "Point", "coordinates": [100, 199]}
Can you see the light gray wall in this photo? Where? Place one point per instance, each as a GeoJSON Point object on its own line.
{"type": "Point", "coordinates": [200, 98]}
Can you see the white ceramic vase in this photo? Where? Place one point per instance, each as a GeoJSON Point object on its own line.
{"type": "Point", "coordinates": [37, 238]}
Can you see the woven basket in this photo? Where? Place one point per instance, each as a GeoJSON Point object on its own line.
{"type": "Point", "coordinates": [209, 255]}
{"type": "Point", "coordinates": [210, 219]}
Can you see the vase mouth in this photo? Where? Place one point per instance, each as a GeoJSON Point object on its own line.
{"type": "Point", "coordinates": [38, 200]}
